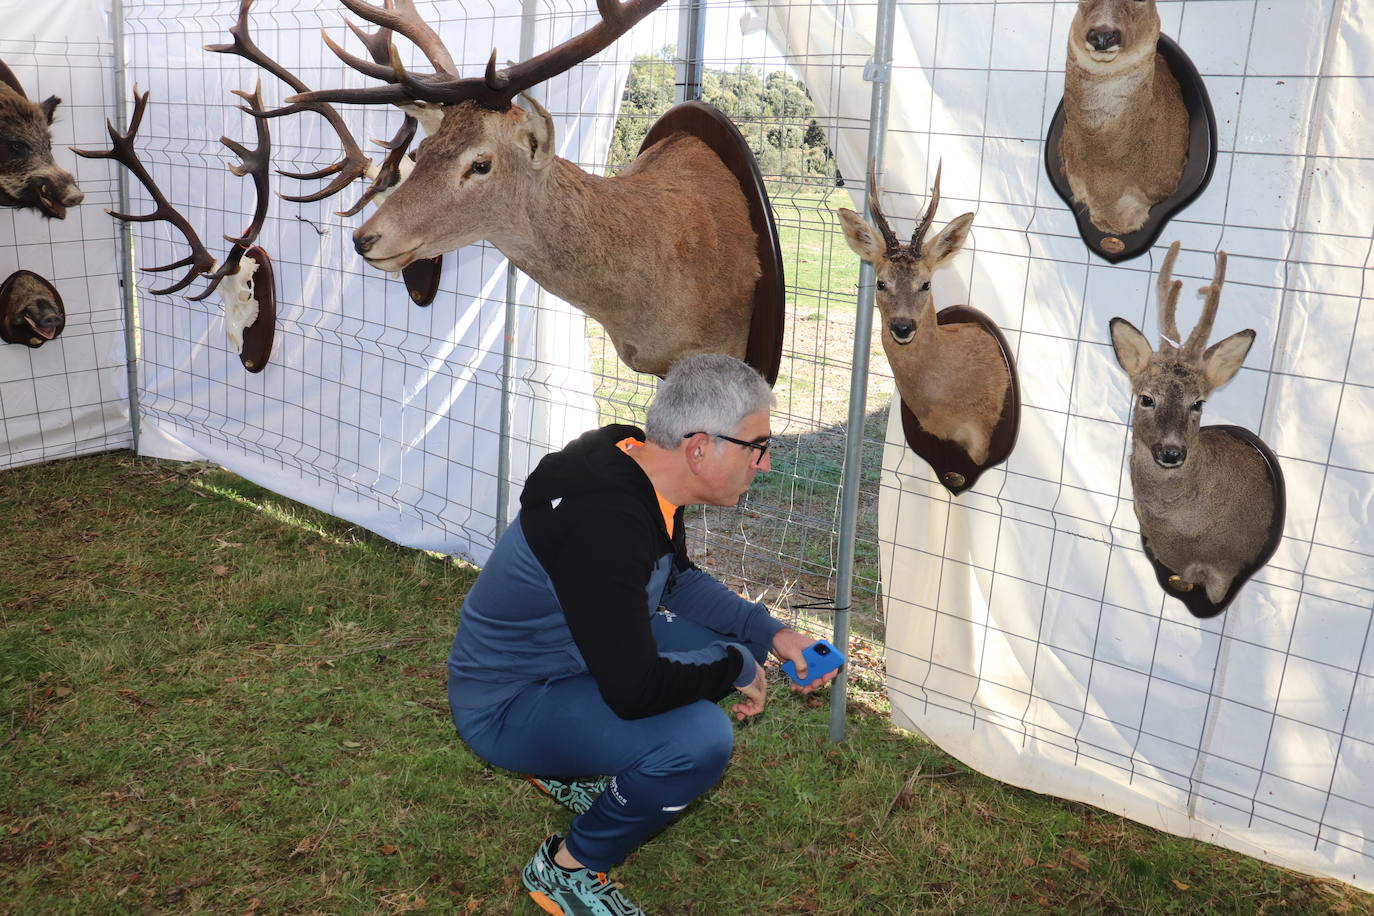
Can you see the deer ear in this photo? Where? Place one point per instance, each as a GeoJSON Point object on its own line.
{"type": "Point", "coordinates": [951, 238]}
{"type": "Point", "coordinates": [537, 131]}
{"type": "Point", "coordinates": [861, 237]}
{"type": "Point", "coordinates": [1133, 351]}
{"type": "Point", "coordinates": [49, 105]}
{"type": "Point", "coordinates": [1223, 359]}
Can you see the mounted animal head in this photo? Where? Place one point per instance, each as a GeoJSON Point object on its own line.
{"type": "Point", "coordinates": [1172, 384]}
{"type": "Point", "coordinates": [31, 310]}
{"type": "Point", "coordinates": [1106, 31]}
{"type": "Point", "coordinates": [903, 270]}
{"type": "Point", "coordinates": [487, 155]}
{"type": "Point", "coordinates": [28, 175]}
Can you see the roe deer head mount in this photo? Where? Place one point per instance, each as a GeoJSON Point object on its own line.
{"type": "Point", "coordinates": [1125, 137]}
{"type": "Point", "coordinates": [1203, 497]}
{"type": "Point", "coordinates": [953, 377]}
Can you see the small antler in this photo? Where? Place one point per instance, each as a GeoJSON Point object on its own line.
{"type": "Point", "coordinates": [919, 236]}
{"type": "Point", "coordinates": [200, 261]}
{"type": "Point", "coordinates": [494, 89]}
{"type": "Point", "coordinates": [254, 162]}
{"type": "Point", "coordinates": [1197, 341]}
{"type": "Point", "coordinates": [354, 163]}
{"type": "Point", "coordinates": [890, 237]}
{"type": "Point", "coordinates": [1167, 290]}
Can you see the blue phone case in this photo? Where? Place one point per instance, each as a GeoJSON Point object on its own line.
{"type": "Point", "coordinates": [821, 659]}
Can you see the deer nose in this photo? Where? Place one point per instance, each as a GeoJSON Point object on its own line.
{"type": "Point", "coordinates": [902, 331]}
{"type": "Point", "coordinates": [363, 243]}
{"type": "Point", "coordinates": [1104, 39]}
{"type": "Point", "coordinates": [1170, 456]}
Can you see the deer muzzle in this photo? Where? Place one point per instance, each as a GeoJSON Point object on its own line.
{"type": "Point", "coordinates": [902, 330]}
{"type": "Point", "coordinates": [1170, 456]}
{"type": "Point", "coordinates": [1104, 40]}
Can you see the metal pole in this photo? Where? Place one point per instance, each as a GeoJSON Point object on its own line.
{"type": "Point", "coordinates": [691, 38]}
{"type": "Point", "coordinates": [126, 232]}
{"type": "Point", "coordinates": [503, 460]}
{"type": "Point", "coordinates": [878, 73]}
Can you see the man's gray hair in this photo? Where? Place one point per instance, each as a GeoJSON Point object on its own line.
{"type": "Point", "coordinates": [709, 393]}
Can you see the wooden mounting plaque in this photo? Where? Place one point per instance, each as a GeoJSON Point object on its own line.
{"type": "Point", "coordinates": [422, 279]}
{"type": "Point", "coordinates": [1197, 172]}
{"type": "Point", "coordinates": [15, 332]}
{"type": "Point", "coordinates": [712, 127]}
{"type": "Point", "coordinates": [952, 465]}
{"type": "Point", "coordinates": [258, 336]}
{"type": "Point", "coordinates": [1195, 599]}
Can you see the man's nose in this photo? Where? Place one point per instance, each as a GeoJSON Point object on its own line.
{"type": "Point", "coordinates": [766, 462]}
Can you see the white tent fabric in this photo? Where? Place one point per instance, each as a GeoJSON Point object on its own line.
{"type": "Point", "coordinates": [371, 408]}
{"type": "Point", "coordinates": [70, 396]}
{"type": "Point", "coordinates": [1026, 633]}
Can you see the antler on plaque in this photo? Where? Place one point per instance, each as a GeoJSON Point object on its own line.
{"type": "Point", "coordinates": [494, 89]}
{"type": "Point", "coordinates": [254, 163]}
{"type": "Point", "coordinates": [199, 261]}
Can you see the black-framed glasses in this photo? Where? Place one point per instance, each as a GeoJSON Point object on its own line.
{"type": "Point", "coordinates": [761, 446]}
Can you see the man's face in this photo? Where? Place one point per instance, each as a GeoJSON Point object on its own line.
{"type": "Point", "coordinates": [730, 468]}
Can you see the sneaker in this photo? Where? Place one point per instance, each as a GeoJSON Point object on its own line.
{"type": "Point", "coordinates": [577, 796]}
{"type": "Point", "coordinates": [572, 893]}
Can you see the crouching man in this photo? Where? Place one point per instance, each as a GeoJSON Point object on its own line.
{"type": "Point", "coordinates": [591, 653]}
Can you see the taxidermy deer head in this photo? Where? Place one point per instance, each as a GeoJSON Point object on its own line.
{"type": "Point", "coordinates": [1203, 497]}
{"type": "Point", "coordinates": [28, 175]}
{"type": "Point", "coordinates": [663, 255]}
{"type": "Point", "coordinates": [953, 377]}
{"type": "Point", "coordinates": [1125, 138]}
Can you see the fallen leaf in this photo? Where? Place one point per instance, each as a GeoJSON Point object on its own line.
{"type": "Point", "coordinates": [63, 691]}
{"type": "Point", "coordinates": [1180, 885]}
{"type": "Point", "coordinates": [219, 571]}
{"type": "Point", "coordinates": [1028, 862]}
{"type": "Point", "coordinates": [389, 849]}
{"type": "Point", "coordinates": [351, 745]}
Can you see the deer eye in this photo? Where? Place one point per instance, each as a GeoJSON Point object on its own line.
{"type": "Point", "coordinates": [925, 286]}
{"type": "Point", "coordinates": [1146, 401]}
{"type": "Point", "coordinates": [881, 284]}
{"type": "Point", "coordinates": [1197, 406]}
{"type": "Point", "coordinates": [480, 167]}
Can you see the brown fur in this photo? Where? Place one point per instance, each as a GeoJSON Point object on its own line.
{"type": "Point", "coordinates": [663, 255]}
{"type": "Point", "coordinates": [30, 310]}
{"type": "Point", "coordinates": [1208, 517]}
{"type": "Point", "coordinates": [953, 377]}
{"type": "Point", "coordinates": [1125, 138]}
{"type": "Point", "coordinates": [28, 175]}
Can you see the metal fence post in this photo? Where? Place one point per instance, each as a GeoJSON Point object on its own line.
{"type": "Point", "coordinates": [877, 72]}
{"type": "Point", "coordinates": [128, 288]}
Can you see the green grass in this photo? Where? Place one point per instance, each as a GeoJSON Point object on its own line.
{"type": "Point", "coordinates": [213, 700]}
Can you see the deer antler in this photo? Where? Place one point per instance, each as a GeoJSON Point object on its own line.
{"type": "Point", "coordinates": [1168, 288]}
{"type": "Point", "coordinates": [200, 261]}
{"type": "Point", "coordinates": [1197, 341]}
{"type": "Point", "coordinates": [495, 89]}
{"type": "Point", "coordinates": [354, 163]}
{"type": "Point", "coordinates": [919, 236]}
{"type": "Point", "coordinates": [893, 246]}
{"type": "Point", "coordinates": [254, 162]}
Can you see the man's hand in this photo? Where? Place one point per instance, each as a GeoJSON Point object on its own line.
{"type": "Point", "coordinates": [789, 644]}
{"type": "Point", "coordinates": [755, 695]}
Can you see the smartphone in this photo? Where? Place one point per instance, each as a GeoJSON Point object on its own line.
{"type": "Point", "coordinates": [821, 659]}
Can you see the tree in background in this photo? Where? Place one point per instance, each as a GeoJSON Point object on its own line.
{"type": "Point", "coordinates": [773, 111]}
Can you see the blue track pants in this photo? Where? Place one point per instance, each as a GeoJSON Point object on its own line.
{"type": "Point", "coordinates": [564, 730]}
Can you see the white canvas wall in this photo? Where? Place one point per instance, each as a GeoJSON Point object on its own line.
{"type": "Point", "coordinates": [67, 397]}
{"type": "Point", "coordinates": [1026, 633]}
